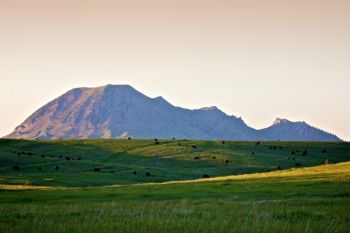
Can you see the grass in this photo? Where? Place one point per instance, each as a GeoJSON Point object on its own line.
{"type": "Point", "coordinates": [167, 161]}
{"type": "Point", "coordinates": [307, 199]}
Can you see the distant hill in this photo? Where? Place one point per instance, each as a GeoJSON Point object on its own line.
{"type": "Point", "coordinates": [120, 111]}
{"type": "Point", "coordinates": [283, 129]}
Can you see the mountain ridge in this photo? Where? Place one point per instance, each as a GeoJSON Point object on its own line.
{"type": "Point", "coordinates": [121, 111]}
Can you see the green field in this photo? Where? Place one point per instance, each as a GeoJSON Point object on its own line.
{"type": "Point", "coordinates": [165, 161]}
{"type": "Point", "coordinates": [37, 197]}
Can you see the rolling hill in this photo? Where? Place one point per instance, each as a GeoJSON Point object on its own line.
{"type": "Point", "coordinates": [313, 199]}
{"type": "Point", "coordinates": [119, 161]}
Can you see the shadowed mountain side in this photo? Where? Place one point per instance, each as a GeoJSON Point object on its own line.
{"type": "Point", "coordinates": [120, 111]}
{"type": "Point", "coordinates": [283, 129]}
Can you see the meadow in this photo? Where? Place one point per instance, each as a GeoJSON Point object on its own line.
{"type": "Point", "coordinates": [278, 188]}
{"type": "Point", "coordinates": [81, 163]}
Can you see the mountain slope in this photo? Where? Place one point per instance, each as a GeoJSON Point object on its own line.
{"type": "Point", "coordinates": [283, 129]}
{"type": "Point", "coordinates": [117, 111]}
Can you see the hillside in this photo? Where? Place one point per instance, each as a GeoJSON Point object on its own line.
{"type": "Point", "coordinates": [285, 130]}
{"type": "Point", "coordinates": [106, 162]}
{"type": "Point", "coordinates": [313, 200]}
{"type": "Point", "coordinates": [120, 111]}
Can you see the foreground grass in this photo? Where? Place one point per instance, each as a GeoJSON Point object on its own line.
{"type": "Point", "coordinates": [315, 199]}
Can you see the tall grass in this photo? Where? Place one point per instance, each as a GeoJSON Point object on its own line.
{"type": "Point", "coordinates": [174, 199]}
{"type": "Point", "coordinates": [270, 204]}
{"type": "Point", "coordinates": [314, 215]}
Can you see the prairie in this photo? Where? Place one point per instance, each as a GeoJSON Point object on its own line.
{"type": "Point", "coordinates": [264, 192]}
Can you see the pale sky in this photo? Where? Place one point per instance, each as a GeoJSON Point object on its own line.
{"type": "Point", "coordinates": [258, 59]}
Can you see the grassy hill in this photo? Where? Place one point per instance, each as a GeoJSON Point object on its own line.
{"type": "Point", "coordinates": [51, 186]}
{"type": "Point", "coordinates": [79, 163]}
{"type": "Point", "coordinates": [315, 199]}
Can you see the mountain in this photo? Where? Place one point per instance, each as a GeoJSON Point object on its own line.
{"type": "Point", "coordinates": [120, 111]}
{"type": "Point", "coordinates": [283, 129]}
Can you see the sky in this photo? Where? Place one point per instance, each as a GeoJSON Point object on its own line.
{"type": "Point", "coordinates": [258, 59]}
